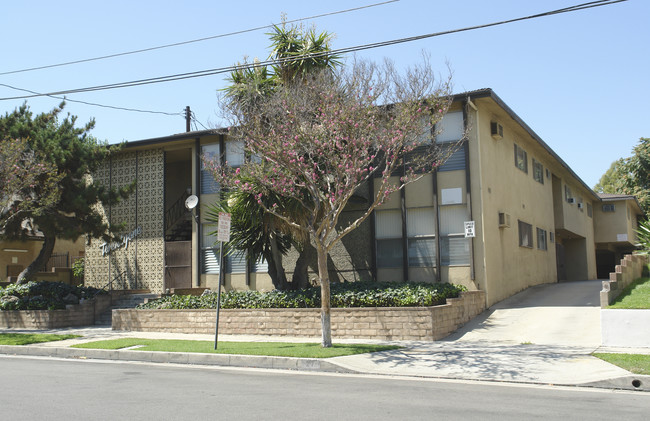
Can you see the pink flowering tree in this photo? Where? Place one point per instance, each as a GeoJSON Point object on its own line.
{"type": "Point", "coordinates": [321, 139]}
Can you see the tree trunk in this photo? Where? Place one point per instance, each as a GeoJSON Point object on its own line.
{"type": "Point", "coordinates": [300, 277]}
{"type": "Point", "coordinates": [326, 326]}
{"type": "Point", "coordinates": [276, 269]}
{"type": "Point", "coordinates": [41, 260]}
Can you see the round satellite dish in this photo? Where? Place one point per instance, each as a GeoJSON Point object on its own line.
{"type": "Point", "coordinates": [191, 202]}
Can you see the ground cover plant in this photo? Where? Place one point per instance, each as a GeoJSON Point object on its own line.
{"type": "Point", "coordinates": [348, 294]}
{"type": "Point", "coordinates": [634, 296]}
{"type": "Point", "coordinates": [42, 295]}
{"type": "Point", "coordinates": [31, 338]}
{"type": "Point", "coordinates": [634, 363]}
{"type": "Point", "coordinates": [277, 349]}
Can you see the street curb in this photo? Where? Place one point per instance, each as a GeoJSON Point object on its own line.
{"type": "Point", "coordinates": [227, 360]}
{"type": "Point", "coordinates": [631, 382]}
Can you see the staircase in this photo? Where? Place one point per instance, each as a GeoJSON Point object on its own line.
{"type": "Point", "coordinates": [126, 301]}
{"type": "Point", "coordinates": [180, 231]}
{"type": "Point", "coordinates": [178, 222]}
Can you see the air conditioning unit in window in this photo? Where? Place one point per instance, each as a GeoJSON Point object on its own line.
{"type": "Point", "coordinates": [504, 220]}
{"type": "Point", "coordinates": [570, 200]}
{"type": "Point", "coordinates": [496, 130]}
{"type": "Point", "coordinates": [580, 205]}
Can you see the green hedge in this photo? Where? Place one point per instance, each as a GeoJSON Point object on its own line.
{"type": "Point", "coordinates": [42, 295]}
{"type": "Point", "coordinates": [349, 294]}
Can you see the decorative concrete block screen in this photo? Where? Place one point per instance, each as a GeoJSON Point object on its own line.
{"type": "Point", "coordinates": [403, 323]}
{"type": "Point", "coordinates": [140, 262]}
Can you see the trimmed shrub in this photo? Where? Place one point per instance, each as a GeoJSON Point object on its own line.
{"type": "Point", "coordinates": [42, 295]}
{"type": "Point", "coordinates": [349, 294]}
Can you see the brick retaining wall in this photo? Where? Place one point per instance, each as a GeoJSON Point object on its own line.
{"type": "Point", "coordinates": [74, 315]}
{"type": "Point", "coordinates": [403, 323]}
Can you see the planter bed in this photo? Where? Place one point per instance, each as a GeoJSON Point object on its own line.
{"type": "Point", "coordinates": [394, 323]}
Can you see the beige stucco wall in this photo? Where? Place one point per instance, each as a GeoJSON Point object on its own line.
{"type": "Point", "coordinates": [19, 254]}
{"type": "Point", "coordinates": [574, 218]}
{"type": "Point", "coordinates": [502, 266]}
{"type": "Point", "coordinates": [611, 225]}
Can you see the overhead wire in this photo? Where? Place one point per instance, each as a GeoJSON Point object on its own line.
{"type": "Point", "coordinates": [91, 103]}
{"type": "Point", "coordinates": [196, 120]}
{"type": "Point", "coordinates": [176, 44]}
{"type": "Point", "coordinates": [34, 94]}
{"type": "Point", "coordinates": [226, 69]}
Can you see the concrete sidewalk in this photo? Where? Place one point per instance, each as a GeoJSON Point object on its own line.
{"type": "Point", "coordinates": [467, 360]}
{"type": "Point", "coordinates": [543, 335]}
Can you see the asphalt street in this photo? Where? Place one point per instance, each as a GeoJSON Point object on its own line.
{"type": "Point", "coordinates": [53, 389]}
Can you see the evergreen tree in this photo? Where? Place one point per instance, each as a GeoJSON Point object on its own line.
{"type": "Point", "coordinates": [630, 176]}
{"type": "Point", "coordinates": [72, 212]}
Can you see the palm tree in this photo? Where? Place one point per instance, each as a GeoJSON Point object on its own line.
{"type": "Point", "coordinates": [296, 54]}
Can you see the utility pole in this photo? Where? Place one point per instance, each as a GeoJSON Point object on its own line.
{"type": "Point", "coordinates": [188, 119]}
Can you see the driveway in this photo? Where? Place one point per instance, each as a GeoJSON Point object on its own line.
{"type": "Point", "coordinates": [561, 314]}
{"type": "Point", "coordinates": [544, 334]}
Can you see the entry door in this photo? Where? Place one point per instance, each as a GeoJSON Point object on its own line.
{"type": "Point", "coordinates": [178, 264]}
{"type": "Point", "coordinates": [560, 257]}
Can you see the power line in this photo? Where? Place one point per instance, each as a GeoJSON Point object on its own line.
{"type": "Point", "coordinates": [196, 120]}
{"type": "Point", "coordinates": [91, 103]}
{"type": "Point", "coordinates": [176, 44]}
{"type": "Point", "coordinates": [210, 72]}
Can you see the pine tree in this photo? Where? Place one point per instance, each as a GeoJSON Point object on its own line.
{"type": "Point", "coordinates": [72, 211]}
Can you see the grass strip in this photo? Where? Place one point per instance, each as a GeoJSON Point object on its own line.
{"type": "Point", "coordinates": [31, 338]}
{"type": "Point", "coordinates": [635, 363]}
{"type": "Point", "coordinates": [277, 349]}
{"type": "Point", "coordinates": [634, 296]}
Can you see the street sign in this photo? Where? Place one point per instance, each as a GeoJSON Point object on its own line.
{"type": "Point", "coordinates": [223, 231]}
{"type": "Point", "coordinates": [469, 229]}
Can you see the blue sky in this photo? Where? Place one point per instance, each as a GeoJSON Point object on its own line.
{"type": "Point", "coordinates": [580, 80]}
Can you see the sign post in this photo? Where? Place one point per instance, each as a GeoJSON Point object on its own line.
{"type": "Point", "coordinates": [223, 236]}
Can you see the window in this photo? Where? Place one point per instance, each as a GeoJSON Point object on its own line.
{"type": "Point", "coordinates": [389, 238]}
{"type": "Point", "coordinates": [454, 247]}
{"type": "Point", "coordinates": [580, 204]}
{"type": "Point", "coordinates": [552, 236]}
{"type": "Point", "coordinates": [236, 262]}
{"type": "Point", "coordinates": [525, 235]}
{"type": "Point", "coordinates": [567, 194]}
{"type": "Point", "coordinates": [235, 153]}
{"type": "Point", "coordinates": [610, 207]}
{"type": "Point", "coordinates": [541, 239]}
{"type": "Point", "coordinates": [521, 159]}
{"type": "Point", "coordinates": [590, 210]}
{"type": "Point", "coordinates": [210, 250]}
{"type": "Point", "coordinates": [538, 171]}
{"type": "Point", "coordinates": [455, 161]}
{"type": "Point", "coordinates": [260, 265]}
{"type": "Point", "coordinates": [421, 231]}
{"type": "Point", "coordinates": [208, 183]}
{"type": "Point", "coordinates": [424, 137]}
{"type": "Point", "coordinates": [450, 128]}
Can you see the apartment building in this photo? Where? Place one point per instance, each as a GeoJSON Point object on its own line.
{"type": "Point", "coordinates": [503, 213]}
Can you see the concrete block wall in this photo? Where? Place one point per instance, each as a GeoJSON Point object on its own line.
{"type": "Point", "coordinates": [83, 314]}
{"type": "Point", "coordinates": [404, 323]}
{"type": "Point", "coordinates": [630, 269]}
